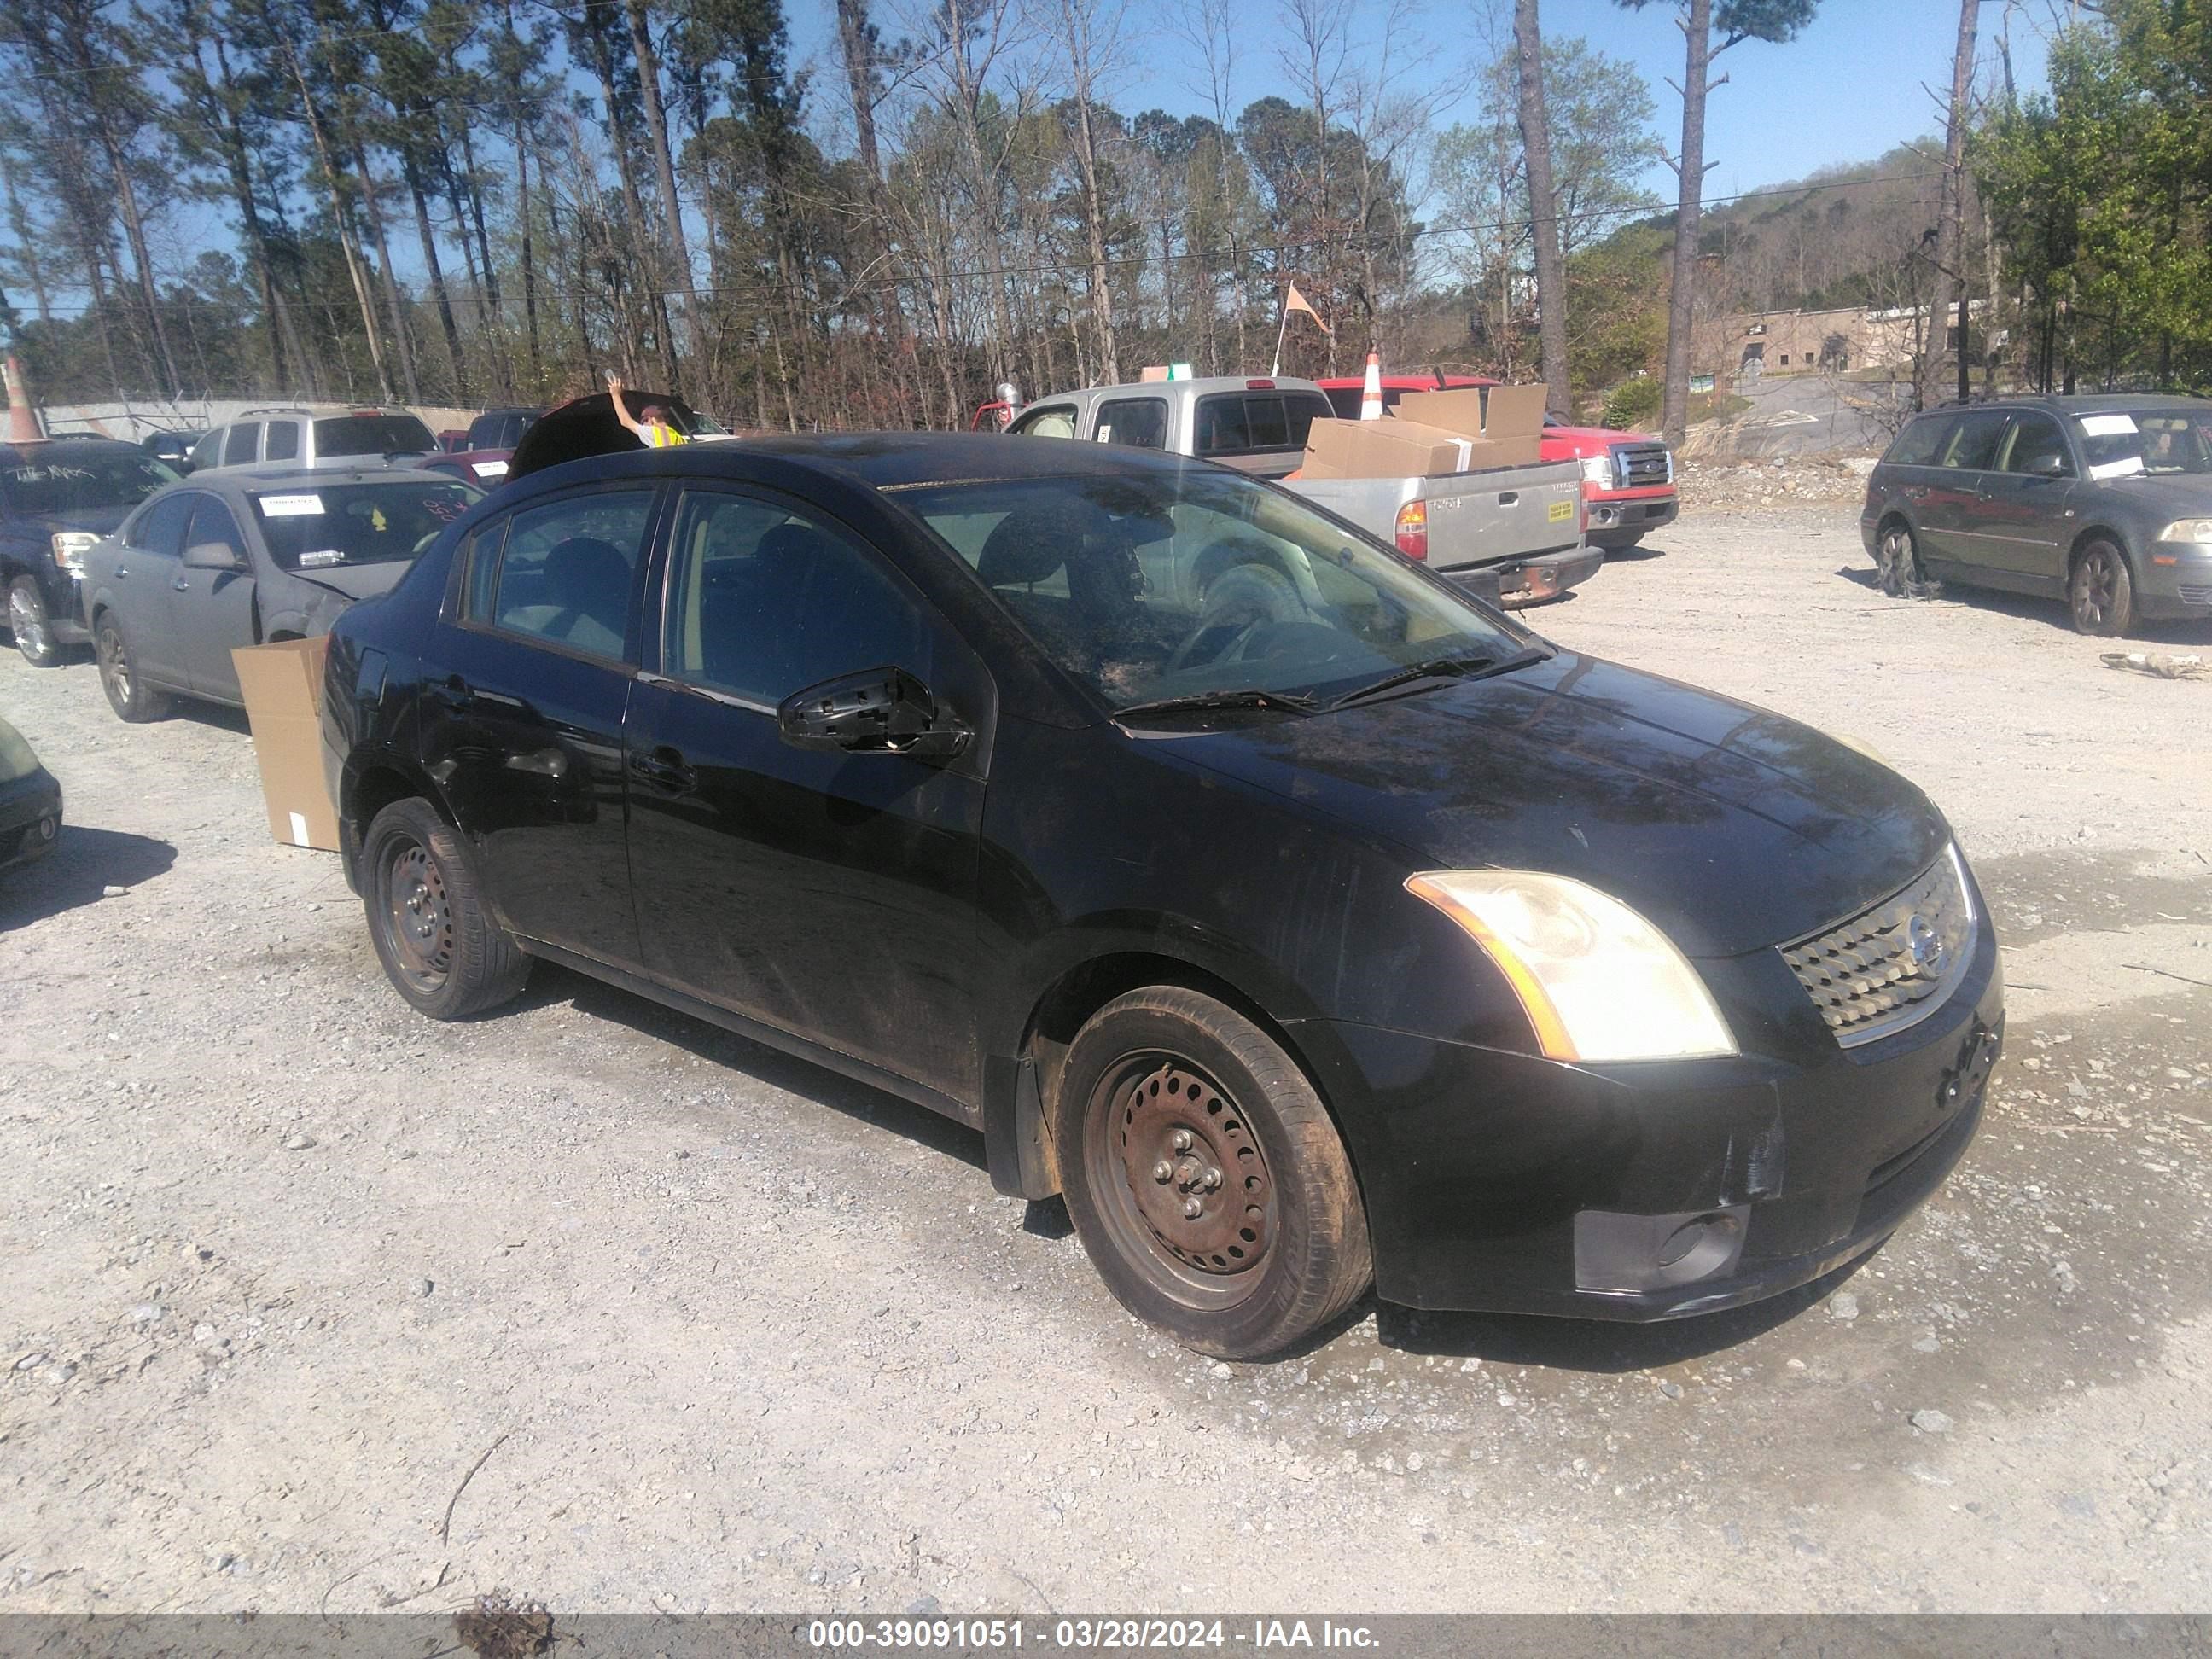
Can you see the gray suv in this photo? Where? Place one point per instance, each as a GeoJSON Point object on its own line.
{"type": "Point", "coordinates": [305, 437]}
{"type": "Point", "coordinates": [2105, 502]}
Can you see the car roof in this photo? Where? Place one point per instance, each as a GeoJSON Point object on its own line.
{"type": "Point", "coordinates": [239, 480]}
{"type": "Point", "coordinates": [888, 460]}
{"type": "Point", "coordinates": [1199, 385]}
{"type": "Point", "coordinates": [14, 454]}
{"type": "Point", "coordinates": [2085, 403]}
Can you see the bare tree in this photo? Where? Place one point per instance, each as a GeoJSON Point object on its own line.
{"type": "Point", "coordinates": [1951, 232]}
{"type": "Point", "coordinates": [1543, 207]}
{"type": "Point", "coordinates": [1090, 33]}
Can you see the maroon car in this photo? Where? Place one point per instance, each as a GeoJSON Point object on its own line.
{"type": "Point", "coordinates": [481, 458]}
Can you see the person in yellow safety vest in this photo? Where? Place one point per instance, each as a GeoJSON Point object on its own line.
{"type": "Point", "coordinates": [650, 427]}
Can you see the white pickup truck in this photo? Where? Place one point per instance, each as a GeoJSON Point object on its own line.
{"type": "Point", "coordinates": [1513, 534]}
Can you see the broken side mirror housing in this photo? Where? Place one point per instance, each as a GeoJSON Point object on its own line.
{"type": "Point", "coordinates": [877, 711]}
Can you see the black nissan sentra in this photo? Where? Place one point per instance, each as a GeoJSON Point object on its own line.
{"type": "Point", "coordinates": [1307, 925]}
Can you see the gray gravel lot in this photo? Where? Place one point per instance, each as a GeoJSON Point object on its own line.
{"type": "Point", "coordinates": [281, 1262]}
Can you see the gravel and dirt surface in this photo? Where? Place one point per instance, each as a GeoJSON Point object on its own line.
{"type": "Point", "coordinates": [309, 1302]}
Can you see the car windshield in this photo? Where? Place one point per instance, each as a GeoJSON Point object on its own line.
{"type": "Point", "coordinates": [2119, 443]}
{"type": "Point", "coordinates": [63, 478]}
{"type": "Point", "coordinates": [357, 522]}
{"type": "Point", "coordinates": [1155, 586]}
{"type": "Point", "coordinates": [372, 434]}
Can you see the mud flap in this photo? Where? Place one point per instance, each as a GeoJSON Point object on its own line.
{"type": "Point", "coordinates": [1014, 1149]}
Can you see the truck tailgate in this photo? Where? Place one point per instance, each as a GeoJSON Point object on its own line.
{"type": "Point", "coordinates": [1504, 514]}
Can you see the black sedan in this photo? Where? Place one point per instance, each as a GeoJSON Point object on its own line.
{"type": "Point", "coordinates": [1336, 931]}
{"type": "Point", "coordinates": [30, 802]}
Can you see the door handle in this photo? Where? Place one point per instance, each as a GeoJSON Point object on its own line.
{"type": "Point", "coordinates": [665, 768]}
{"type": "Point", "coordinates": [181, 584]}
{"type": "Point", "coordinates": [121, 571]}
{"type": "Point", "coordinates": [454, 691]}
{"type": "Point", "coordinates": [1507, 497]}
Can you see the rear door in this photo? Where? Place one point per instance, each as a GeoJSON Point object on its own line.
{"type": "Point", "coordinates": [212, 611]}
{"type": "Point", "coordinates": [829, 895]}
{"type": "Point", "coordinates": [526, 685]}
{"type": "Point", "coordinates": [151, 560]}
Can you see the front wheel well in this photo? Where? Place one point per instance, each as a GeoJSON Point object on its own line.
{"type": "Point", "coordinates": [2098, 533]}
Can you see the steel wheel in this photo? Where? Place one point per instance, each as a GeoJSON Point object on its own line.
{"type": "Point", "coordinates": [418, 920]}
{"type": "Point", "coordinates": [27, 620]}
{"type": "Point", "coordinates": [1183, 1179]}
{"type": "Point", "coordinates": [2102, 594]}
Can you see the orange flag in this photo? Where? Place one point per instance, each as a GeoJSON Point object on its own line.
{"type": "Point", "coordinates": [1295, 300]}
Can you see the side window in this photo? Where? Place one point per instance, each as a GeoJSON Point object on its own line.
{"type": "Point", "coordinates": [160, 527]}
{"type": "Point", "coordinates": [208, 452]}
{"type": "Point", "coordinates": [768, 602]}
{"type": "Point", "coordinates": [1973, 447]}
{"type": "Point", "coordinates": [2035, 446]}
{"type": "Point", "coordinates": [243, 445]}
{"type": "Point", "coordinates": [566, 571]}
{"type": "Point", "coordinates": [1057, 421]}
{"type": "Point", "coordinates": [1139, 422]}
{"type": "Point", "coordinates": [212, 522]}
{"type": "Point", "coordinates": [1920, 443]}
{"type": "Point", "coordinates": [283, 443]}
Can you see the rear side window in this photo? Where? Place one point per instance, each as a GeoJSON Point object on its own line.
{"type": "Point", "coordinates": [372, 434]}
{"type": "Point", "coordinates": [160, 527]}
{"type": "Point", "coordinates": [283, 443]}
{"type": "Point", "coordinates": [243, 445]}
{"type": "Point", "coordinates": [1973, 447]}
{"type": "Point", "coordinates": [1139, 422]}
{"type": "Point", "coordinates": [1920, 443]}
{"type": "Point", "coordinates": [565, 574]}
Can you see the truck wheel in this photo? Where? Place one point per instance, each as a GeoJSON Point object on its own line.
{"type": "Point", "coordinates": [2102, 593]}
{"type": "Point", "coordinates": [129, 695]}
{"type": "Point", "coordinates": [1205, 1176]}
{"type": "Point", "coordinates": [26, 617]}
{"type": "Point", "coordinates": [433, 931]}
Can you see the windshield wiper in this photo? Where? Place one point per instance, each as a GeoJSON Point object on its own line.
{"type": "Point", "coordinates": [1245, 697]}
{"type": "Point", "coordinates": [1463, 668]}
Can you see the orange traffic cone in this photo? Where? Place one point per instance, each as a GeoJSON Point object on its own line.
{"type": "Point", "coordinates": [22, 419]}
{"type": "Point", "coordinates": [1371, 396]}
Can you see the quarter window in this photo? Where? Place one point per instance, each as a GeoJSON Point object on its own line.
{"type": "Point", "coordinates": [568, 571]}
{"type": "Point", "coordinates": [769, 601]}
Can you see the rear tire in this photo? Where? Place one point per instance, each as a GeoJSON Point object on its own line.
{"type": "Point", "coordinates": [1897, 561]}
{"type": "Point", "coordinates": [433, 931]}
{"type": "Point", "coordinates": [2101, 593]}
{"type": "Point", "coordinates": [33, 628]}
{"type": "Point", "coordinates": [1255, 1237]}
{"type": "Point", "coordinates": [128, 694]}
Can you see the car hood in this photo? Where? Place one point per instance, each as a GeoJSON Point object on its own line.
{"type": "Point", "coordinates": [100, 520]}
{"type": "Point", "coordinates": [358, 581]}
{"type": "Point", "coordinates": [1730, 828]}
{"type": "Point", "coordinates": [1595, 440]}
{"type": "Point", "coordinates": [2173, 495]}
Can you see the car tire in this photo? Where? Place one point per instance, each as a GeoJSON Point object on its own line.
{"type": "Point", "coordinates": [128, 694]}
{"type": "Point", "coordinates": [33, 628]}
{"type": "Point", "coordinates": [427, 916]}
{"type": "Point", "coordinates": [1897, 561]}
{"type": "Point", "coordinates": [1165, 1079]}
{"type": "Point", "coordinates": [2100, 592]}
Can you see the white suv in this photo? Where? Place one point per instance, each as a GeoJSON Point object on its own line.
{"type": "Point", "coordinates": [304, 437]}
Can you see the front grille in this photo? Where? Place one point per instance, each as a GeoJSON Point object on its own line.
{"type": "Point", "coordinates": [1640, 466]}
{"type": "Point", "coordinates": [1891, 966]}
{"type": "Point", "coordinates": [2197, 593]}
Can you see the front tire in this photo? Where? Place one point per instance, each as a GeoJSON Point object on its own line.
{"type": "Point", "coordinates": [1204, 1177]}
{"type": "Point", "coordinates": [2101, 593]}
{"type": "Point", "coordinates": [33, 628]}
{"type": "Point", "coordinates": [433, 931]}
{"type": "Point", "coordinates": [128, 695]}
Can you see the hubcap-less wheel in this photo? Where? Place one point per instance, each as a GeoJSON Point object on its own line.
{"type": "Point", "coordinates": [1183, 1178]}
{"type": "Point", "coordinates": [418, 920]}
{"type": "Point", "coordinates": [27, 620]}
{"type": "Point", "coordinates": [2096, 591]}
{"type": "Point", "coordinates": [115, 666]}
{"type": "Point", "coordinates": [1900, 565]}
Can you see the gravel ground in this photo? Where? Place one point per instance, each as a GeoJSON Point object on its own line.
{"type": "Point", "coordinates": [309, 1302]}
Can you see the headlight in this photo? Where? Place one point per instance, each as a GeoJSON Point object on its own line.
{"type": "Point", "coordinates": [1598, 981]}
{"type": "Point", "coordinates": [1597, 471]}
{"type": "Point", "coordinates": [69, 547]}
{"type": "Point", "coordinates": [2188, 530]}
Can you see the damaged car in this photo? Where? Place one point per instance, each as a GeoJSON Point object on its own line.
{"type": "Point", "coordinates": [1329, 931]}
{"type": "Point", "coordinates": [243, 557]}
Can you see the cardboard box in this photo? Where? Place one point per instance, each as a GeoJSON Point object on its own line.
{"type": "Point", "coordinates": [1505, 422]}
{"type": "Point", "coordinates": [283, 685]}
{"type": "Point", "coordinates": [1381, 449]}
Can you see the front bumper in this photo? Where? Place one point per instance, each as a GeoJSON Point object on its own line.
{"type": "Point", "coordinates": [2174, 583]}
{"type": "Point", "coordinates": [1501, 1182]}
{"type": "Point", "coordinates": [1618, 521]}
{"type": "Point", "coordinates": [30, 819]}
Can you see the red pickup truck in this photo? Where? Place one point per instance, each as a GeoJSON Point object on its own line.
{"type": "Point", "coordinates": [1628, 477]}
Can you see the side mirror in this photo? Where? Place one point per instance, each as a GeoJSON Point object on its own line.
{"type": "Point", "coordinates": [878, 711]}
{"type": "Point", "coordinates": [212, 555]}
{"type": "Point", "coordinates": [2048, 466]}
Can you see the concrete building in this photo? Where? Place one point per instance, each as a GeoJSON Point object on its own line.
{"type": "Point", "coordinates": [1749, 343]}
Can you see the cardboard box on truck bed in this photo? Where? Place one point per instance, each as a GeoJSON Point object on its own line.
{"type": "Point", "coordinates": [1432, 433]}
{"type": "Point", "coordinates": [1507, 422]}
{"type": "Point", "coordinates": [283, 685]}
{"type": "Point", "coordinates": [1381, 449]}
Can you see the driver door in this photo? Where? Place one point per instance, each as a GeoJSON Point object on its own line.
{"type": "Point", "coordinates": [829, 895]}
{"type": "Point", "coordinates": [212, 611]}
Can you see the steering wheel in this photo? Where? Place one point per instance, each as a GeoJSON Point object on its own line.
{"type": "Point", "coordinates": [1247, 596]}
